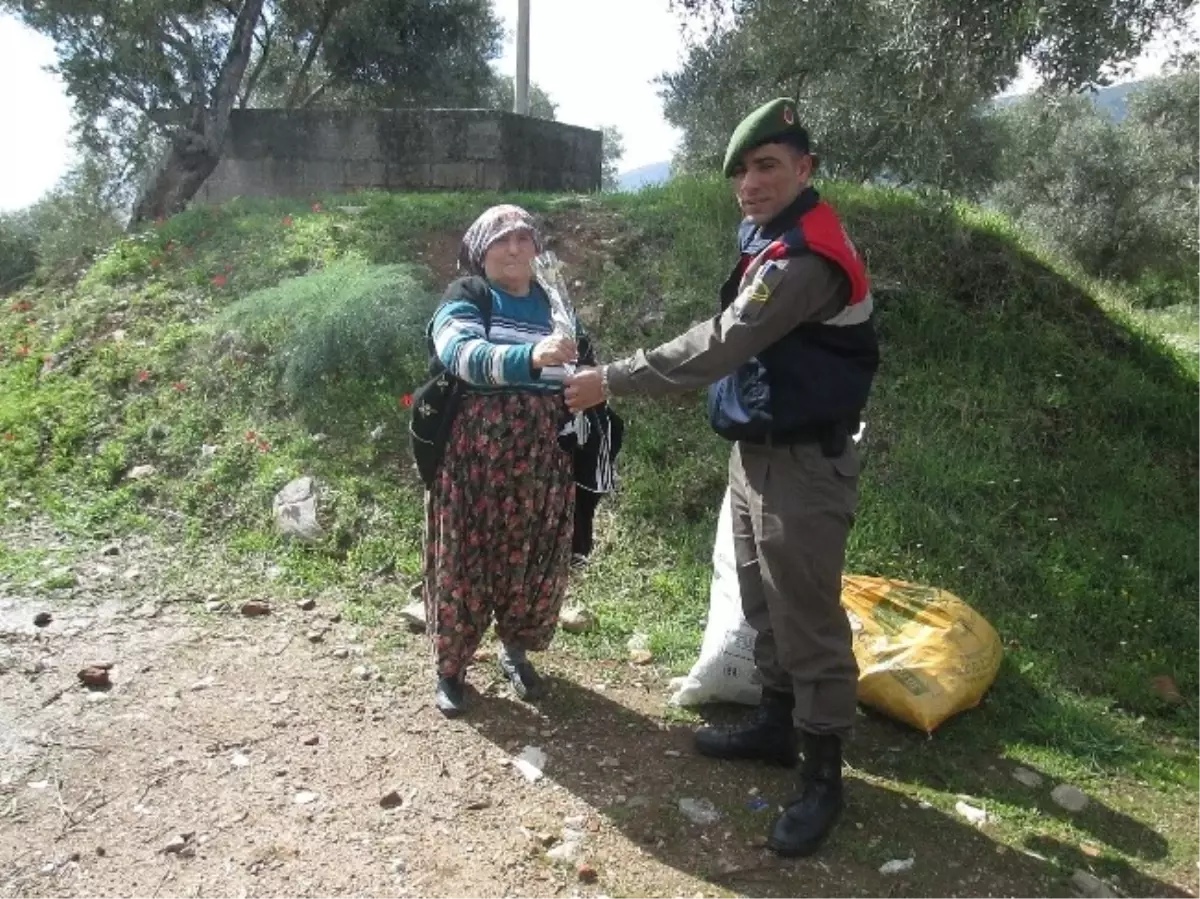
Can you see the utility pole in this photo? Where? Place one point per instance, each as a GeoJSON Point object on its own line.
{"type": "Point", "coordinates": [521, 93]}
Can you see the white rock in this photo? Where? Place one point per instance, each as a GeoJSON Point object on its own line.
{"type": "Point", "coordinates": [204, 683]}
{"type": "Point", "coordinates": [295, 510]}
{"type": "Point", "coordinates": [239, 760]}
{"type": "Point", "coordinates": [207, 449]}
{"type": "Point", "coordinates": [141, 471]}
{"type": "Point", "coordinates": [304, 797]}
{"type": "Point", "coordinates": [576, 620]}
{"type": "Point", "coordinates": [1090, 885]}
{"type": "Point", "coordinates": [896, 866]}
{"type": "Point", "coordinates": [38, 784]}
{"type": "Point", "coordinates": [176, 844]}
{"type": "Point", "coordinates": [531, 762]}
{"type": "Point", "coordinates": [377, 432]}
{"type": "Point", "coordinates": [699, 811]}
{"type": "Point", "coordinates": [413, 616]}
{"type": "Point", "coordinates": [970, 812]}
{"type": "Point", "coordinates": [1071, 798]}
{"type": "Point", "coordinates": [1029, 778]}
{"type": "Point", "coordinates": [638, 643]}
{"type": "Point", "coordinates": [567, 853]}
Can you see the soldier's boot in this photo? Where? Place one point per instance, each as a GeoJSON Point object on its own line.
{"type": "Point", "coordinates": [809, 818]}
{"type": "Point", "coordinates": [768, 736]}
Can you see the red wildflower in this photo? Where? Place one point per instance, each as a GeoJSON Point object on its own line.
{"type": "Point", "coordinates": [180, 386]}
{"type": "Point", "coordinates": [22, 306]}
{"type": "Point", "coordinates": [219, 280]}
{"type": "Point", "coordinates": [143, 376]}
{"type": "Point", "coordinates": [251, 436]}
{"type": "Point", "coordinates": [406, 401]}
{"type": "Point", "coordinates": [155, 262]}
{"type": "Point", "coordinates": [263, 446]}
{"type": "Point", "coordinates": [287, 221]}
{"type": "Point", "coordinates": [317, 207]}
{"type": "Point", "coordinates": [22, 351]}
{"type": "Point", "coordinates": [10, 436]}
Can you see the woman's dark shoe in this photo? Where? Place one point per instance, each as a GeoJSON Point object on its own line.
{"type": "Point", "coordinates": [526, 682]}
{"type": "Point", "coordinates": [451, 697]}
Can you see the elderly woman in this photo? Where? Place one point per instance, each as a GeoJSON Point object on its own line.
{"type": "Point", "coordinates": [500, 510]}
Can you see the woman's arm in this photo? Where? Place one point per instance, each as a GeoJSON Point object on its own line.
{"type": "Point", "coordinates": [463, 348]}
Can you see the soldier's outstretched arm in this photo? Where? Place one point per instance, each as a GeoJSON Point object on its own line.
{"type": "Point", "coordinates": [780, 295]}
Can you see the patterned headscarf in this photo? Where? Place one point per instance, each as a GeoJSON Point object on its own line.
{"type": "Point", "coordinates": [494, 224]}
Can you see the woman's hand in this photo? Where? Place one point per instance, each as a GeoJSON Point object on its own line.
{"type": "Point", "coordinates": [554, 350]}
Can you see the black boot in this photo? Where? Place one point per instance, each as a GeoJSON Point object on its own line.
{"type": "Point", "coordinates": [807, 820]}
{"type": "Point", "coordinates": [526, 682]}
{"type": "Point", "coordinates": [450, 696]}
{"type": "Point", "coordinates": [768, 736]}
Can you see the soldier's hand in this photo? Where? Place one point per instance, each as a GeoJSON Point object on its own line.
{"type": "Point", "coordinates": [585, 389]}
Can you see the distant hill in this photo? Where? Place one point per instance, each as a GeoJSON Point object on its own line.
{"type": "Point", "coordinates": [645, 176]}
{"type": "Point", "coordinates": [1113, 100]}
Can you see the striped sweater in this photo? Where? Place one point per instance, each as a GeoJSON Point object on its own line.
{"type": "Point", "coordinates": [501, 359]}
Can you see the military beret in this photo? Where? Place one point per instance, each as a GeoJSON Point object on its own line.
{"type": "Point", "coordinates": [772, 121]}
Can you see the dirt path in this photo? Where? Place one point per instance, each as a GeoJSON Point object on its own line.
{"type": "Point", "coordinates": [296, 753]}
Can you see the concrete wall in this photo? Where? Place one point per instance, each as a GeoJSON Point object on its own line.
{"type": "Point", "coordinates": [300, 153]}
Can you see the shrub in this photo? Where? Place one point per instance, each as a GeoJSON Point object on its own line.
{"type": "Point", "coordinates": [18, 251]}
{"type": "Point", "coordinates": [348, 324]}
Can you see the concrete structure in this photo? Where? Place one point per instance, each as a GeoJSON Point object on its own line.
{"type": "Point", "coordinates": [301, 153]}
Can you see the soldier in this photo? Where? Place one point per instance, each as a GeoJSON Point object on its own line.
{"type": "Point", "coordinates": [789, 363]}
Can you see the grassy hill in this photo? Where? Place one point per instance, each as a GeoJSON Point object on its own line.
{"type": "Point", "coordinates": [1031, 446]}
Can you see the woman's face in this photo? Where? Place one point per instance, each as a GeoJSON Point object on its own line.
{"type": "Point", "coordinates": [507, 262]}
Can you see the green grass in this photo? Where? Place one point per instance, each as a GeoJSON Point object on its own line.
{"type": "Point", "coordinates": [1031, 441]}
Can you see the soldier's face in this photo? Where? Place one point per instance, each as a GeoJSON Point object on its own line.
{"type": "Point", "coordinates": [769, 178]}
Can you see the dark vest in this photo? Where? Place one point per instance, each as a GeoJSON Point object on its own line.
{"type": "Point", "coordinates": [813, 383]}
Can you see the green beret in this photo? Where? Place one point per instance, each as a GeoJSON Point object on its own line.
{"type": "Point", "coordinates": [771, 121]}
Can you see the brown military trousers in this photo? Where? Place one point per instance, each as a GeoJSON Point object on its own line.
{"type": "Point", "coordinates": [792, 512]}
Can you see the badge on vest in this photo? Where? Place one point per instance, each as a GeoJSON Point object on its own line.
{"type": "Point", "coordinates": [752, 298]}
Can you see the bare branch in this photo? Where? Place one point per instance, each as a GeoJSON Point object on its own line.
{"type": "Point", "coordinates": [329, 12]}
{"type": "Point", "coordinates": [259, 66]}
{"type": "Point", "coordinates": [195, 65]}
{"type": "Point", "coordinates": [233, 68]}
{"type": "Point", "coordinates": [315, 93]}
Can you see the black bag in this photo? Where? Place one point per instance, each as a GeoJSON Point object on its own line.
{"type": "Point", "coordinates": [435, 403]}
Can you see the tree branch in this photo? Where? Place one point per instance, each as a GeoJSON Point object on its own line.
{"type": "Point", "coordinates": [187, 49]}
{"type": "Point", "coordinates": [233, 68]}
{"type": "Point", "coordinates": [252, 82]}
{"type": "Point", "coordinates": [329, 12]}
{"type": "Point", "coordinates": [315, 93]}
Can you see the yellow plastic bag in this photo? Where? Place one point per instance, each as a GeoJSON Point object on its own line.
{"type": "Point", "coordinates": [923, 654]}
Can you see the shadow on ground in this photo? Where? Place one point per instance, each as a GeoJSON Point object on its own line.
{"type": "Point", "coordinates": [634, 769]}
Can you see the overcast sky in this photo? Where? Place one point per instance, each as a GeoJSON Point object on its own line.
{"type": "Point", "coordinates": [597, 61]}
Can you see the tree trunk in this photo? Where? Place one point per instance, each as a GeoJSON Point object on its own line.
{"type": "Point", "coordinates": [189, 160]}
{"type": "Point", "coordinates": [194, 151]}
